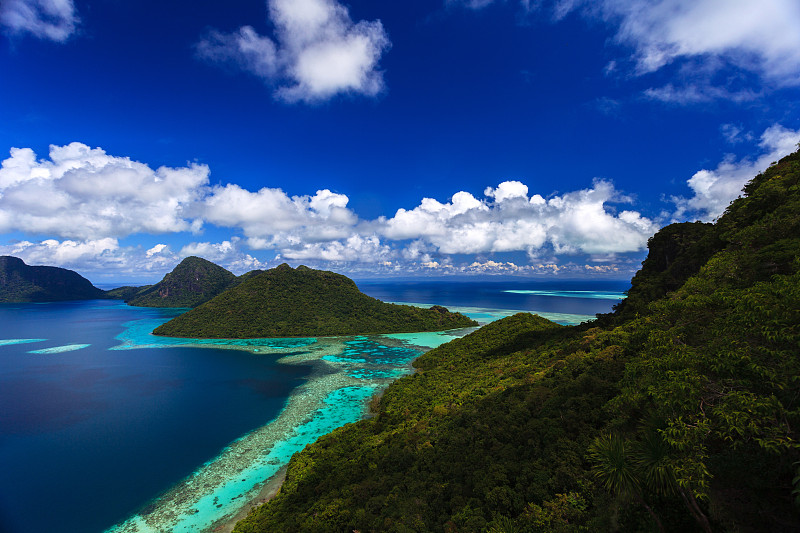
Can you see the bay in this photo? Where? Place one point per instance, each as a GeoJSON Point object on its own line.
{"type": "Point", "coordinates": [107, 427]}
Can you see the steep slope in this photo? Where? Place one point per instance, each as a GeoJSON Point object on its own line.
{"type": "Point", "coordinates": [22, 283]}
{"type": "Point", "coordinates": [287, 302]}
{"type": "Point", "coordinates": [681, 416]}
{"type": "Point", "coordinates": [191, 283]}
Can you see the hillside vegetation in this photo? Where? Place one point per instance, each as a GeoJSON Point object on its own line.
{"type": "Point", "coordinates": [302, 302]}
{"type": "Point", "coordinates": [679, 412]}
{"type": "Point", "coordinates": [22, 283]}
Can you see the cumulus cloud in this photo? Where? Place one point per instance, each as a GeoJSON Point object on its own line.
{"type": "Point", "coordinates": [84, 193]}
{"type": "Point", "coordinates": [271, 219]}
{"type": "Point", "coordinates": [157, 249]}
{"type": "Point", "coordinates": [65, 252]}
{"type": "Point", "coordinates": [55, 20]}
{"type": "Point", "coordinates": [317, 52]}
{"type": "Point", "coordinates": [356, 248]}
{"type": "Point", "coordinates": [715, 189]}
{"type": "Point", "coordinates": [82, 201]}
{"type": "Point", "coordinates": [508, 220]}
{"type": "Point", "coordinates": [227, 253]}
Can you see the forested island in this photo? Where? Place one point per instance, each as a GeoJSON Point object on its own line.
{"type": "Point", "coordinates": [23, 283]}
{"type": "Point", "coordinates": [677, 412]}
{"type": "Point", "coordinates": [303, 302]}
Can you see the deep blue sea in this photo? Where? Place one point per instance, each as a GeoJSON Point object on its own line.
{"type": "Point", "coordinates": [90, 433]}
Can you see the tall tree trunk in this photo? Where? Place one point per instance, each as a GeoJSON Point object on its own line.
{"type": "Point", "coordinates": [694, 508]}
{"type": "Point", "coordinates": [652, 513]}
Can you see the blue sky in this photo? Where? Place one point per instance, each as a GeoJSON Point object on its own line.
{"type": "Point", "coordinates": [420, 138]}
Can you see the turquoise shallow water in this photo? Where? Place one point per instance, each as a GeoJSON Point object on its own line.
{"type": "Point", "coordinates": [60, 349]}
{"type": "Point", "coordinates": [9, 342]}
{"type": "Point", "coordinates": [327, 384]}
{"type": "Point", "coordinates": [349, 370]}
{"type": "Point", "coordinates": [598, 295]}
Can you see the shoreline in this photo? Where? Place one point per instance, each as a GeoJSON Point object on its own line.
{"type": "Point", "coordinates": [269, 490]}
{"type": "Point", "coordinates": [348, 371]}
{"type": "Point", "coordinates": [272, 486]}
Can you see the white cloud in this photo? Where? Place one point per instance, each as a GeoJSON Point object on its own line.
{"type": "Point", "coordinates": [83, 193]}
{"type": "Point", "coordinates": [701, 92]}
{"type": "Point", "coordinates": [356, 248]}
{"type": "Point", "coordinates": [82, 201]}
{"type": "Point", "coordinates": [66, 252]}
{"type": "Point", "coordinates": [270, 218]}
{"type": "Point", "coordinates": [571, 223]}
{"type": "Point", "coordinates": [506, 190]}
{"type": "Point", "coordinates": [318, 51]}
{"type": "Point", "coordinates": [157, 249]}
{"type": "Point", "coordinates": [703, 37]}
{"type": "Point", "coordinates": [55, 20]}
{"type": "Point", "coordinates": [715, 189]}
{"type": "Point", "coordinates": [245, 48]}
{"type": "Point", "coordinates": [734, 134]}
{"type": "Point", "coordinates": [226, 253]}
{"type": "Point", "coordinates": [105, 257]}
{"type": "Point", "coordinates": [760, 36]}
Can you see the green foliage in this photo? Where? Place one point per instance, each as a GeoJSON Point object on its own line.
{"type": "Point", "coordinates": [492, 422]}
{"type": "Point", "coordinates": [681, 409]}
{"type": "Point", "coordinates": [191, 283]}
{"type": "Point", "coordinates": [22, 283]}
{"type": "Point", "coordinates": [675, 253]}
{"type": "Point", "coordinates": [126, 292]}
{"type": "Point", "coordinates": [614, 466]}
{"type": "Point", "coordinates": [286, 302]}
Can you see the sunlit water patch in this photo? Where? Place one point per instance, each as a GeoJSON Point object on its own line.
{"type": "Point", "coordinates": [61, 349]}
{"type": "Point", "coordinates": [484, 316]}
{"type": "Point", "coordinates": [599, 295]}
{"type": "Point", "coordinates": [9, 342]}
{"type": "Point", "coordinates": [139, 334]}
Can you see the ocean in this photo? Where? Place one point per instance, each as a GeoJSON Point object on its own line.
{"type": "Point", "coordinates": [106, 428]}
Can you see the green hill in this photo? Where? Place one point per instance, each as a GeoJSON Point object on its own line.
{"type": "Point", "coordinates": [191, 283]}
{"type": "Point", "coordinates": [678, 413]}
{"type": "Point", "coordinates": [126, 292]}
{"type": "Point", "coordinates": [22, 283]}
{"type": "Point", "coordinates": [287, 302]}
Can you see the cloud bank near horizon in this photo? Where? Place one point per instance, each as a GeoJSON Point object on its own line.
{"type": "Point", "coordinates": [78, 206]}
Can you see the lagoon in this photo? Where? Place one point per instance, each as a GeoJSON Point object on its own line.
{"type": "Point", "coordinates": [109, 428]}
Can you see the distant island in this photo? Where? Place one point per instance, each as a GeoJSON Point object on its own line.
{"type": "Point", "coordinates": [281, 302]}
{"type": "Point", "coordinates": [303, 302]}
{"type": "Point", "coordinates": [23, 283]}
{"type": "Point", "coordinates": [193, 282]}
